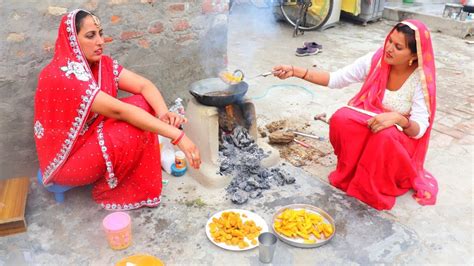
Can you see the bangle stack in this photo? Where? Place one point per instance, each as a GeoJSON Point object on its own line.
{"type": "Point", "coordinates": [178, 139]}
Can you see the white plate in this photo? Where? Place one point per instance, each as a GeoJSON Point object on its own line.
{"type": "Point", "coordinates": [250, 216]}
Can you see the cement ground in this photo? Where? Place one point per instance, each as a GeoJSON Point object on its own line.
{"type": "Point", "coordinates": [70, 233]}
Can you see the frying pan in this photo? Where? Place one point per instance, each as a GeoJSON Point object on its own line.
{"type": "Point", "coordinates": [215, 92]}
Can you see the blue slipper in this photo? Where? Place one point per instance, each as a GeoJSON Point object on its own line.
{"type": "Point", "coordinates": [305, 51]}
{"type": "Point", "coordinates": [314, 45]}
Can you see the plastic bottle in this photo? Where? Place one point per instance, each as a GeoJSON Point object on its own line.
{"type": "Point", "coordinates": [167, 153]}
{"type": "Point", "coordinates": [178, 107]}
{"type": "Point", "coordinates": [166, 148]}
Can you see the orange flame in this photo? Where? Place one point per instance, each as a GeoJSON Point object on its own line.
{"type": "Point", "coordinates": [229, 109]}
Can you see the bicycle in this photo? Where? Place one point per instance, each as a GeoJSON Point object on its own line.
{"type": "Point", "coordinates": [306, 15]}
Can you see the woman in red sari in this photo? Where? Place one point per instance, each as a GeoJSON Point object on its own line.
{"type": "Point", "coordinates": [85, 135]}
{"type": "Point", "coordinates": [381, 155]}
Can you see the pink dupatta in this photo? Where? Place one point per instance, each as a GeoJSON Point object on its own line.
{"type": "Point", "coordinates": [372, 92]}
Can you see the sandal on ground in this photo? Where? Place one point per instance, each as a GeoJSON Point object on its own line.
{"type": "Point", "coordinates": [305, 51]}
{"type": "Point", "coordinates": [314, 45]}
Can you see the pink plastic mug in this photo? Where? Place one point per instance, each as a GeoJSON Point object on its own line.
{"type": "Point", "coordinates": [118, 229]}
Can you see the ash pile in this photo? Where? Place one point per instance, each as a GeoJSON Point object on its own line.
{"type": "Point", "coordinates": [241, 157]}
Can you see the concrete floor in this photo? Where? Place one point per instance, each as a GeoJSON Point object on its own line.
{"type": "Point", "coordinates": [70, 234]}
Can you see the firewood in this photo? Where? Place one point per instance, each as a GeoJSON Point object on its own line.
{"type": "Point", "coordinates": [281, 137]}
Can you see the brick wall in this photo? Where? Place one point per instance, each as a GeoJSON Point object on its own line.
{"type": "Point", "coordinates": [172, 43]}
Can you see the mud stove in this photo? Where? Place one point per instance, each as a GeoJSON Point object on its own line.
{"type": "Point", "coordinates": [206, 127]}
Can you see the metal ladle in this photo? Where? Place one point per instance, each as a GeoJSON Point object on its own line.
{"type": "Point", "coordinates": [240, 74]}
{"type": "Point", "coordinates": [266, 74]}
{"type": "Point", "coordinates": [237, 76]}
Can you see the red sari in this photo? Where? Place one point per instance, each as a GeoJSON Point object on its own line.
{"type": "Point", "coordinates": [76, 146]}
{"type": "Point", "coordinates": [378, 167]}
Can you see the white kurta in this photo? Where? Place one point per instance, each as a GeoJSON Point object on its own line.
{"type": "Point", "coordinates": [408, 100]}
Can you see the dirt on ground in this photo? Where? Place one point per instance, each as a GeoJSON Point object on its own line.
{"type": "Point", "coordinates": [302, 151]}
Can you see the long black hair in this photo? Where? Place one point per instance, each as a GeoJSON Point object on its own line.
{"type": "Point", "coordinates": [409, 36]}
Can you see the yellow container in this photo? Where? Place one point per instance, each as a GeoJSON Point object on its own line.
{"type": "Point", "coordinates": [140, 260]}
{"type": "Point", "coordinates": [180, 160]}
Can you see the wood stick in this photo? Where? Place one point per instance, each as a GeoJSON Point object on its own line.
{"type": "Point", "coordinates": [369, 113]}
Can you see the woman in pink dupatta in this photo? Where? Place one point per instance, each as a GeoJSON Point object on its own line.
{"type": "Point", "coordinates": [85, 135]}
{"type": "Point", "coordinates": [376, 161]}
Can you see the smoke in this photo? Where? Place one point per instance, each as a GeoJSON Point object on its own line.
{"type": "Point", "coordinates": [243, 15]}
{"type": "Point", "coordinates": [251, 16]}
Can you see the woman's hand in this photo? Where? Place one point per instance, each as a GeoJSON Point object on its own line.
{"type": "Point", "coordinates": [283, 71]}
{"type": "Point", "coordinates": [173, 119]}
{"type": "Point", "coordinates": [191, 152]}
{"type": "Point", "coordinates": [384, 120]}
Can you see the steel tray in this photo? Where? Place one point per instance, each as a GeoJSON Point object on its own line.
{"type": "Point", "coordinates": [299, 242]}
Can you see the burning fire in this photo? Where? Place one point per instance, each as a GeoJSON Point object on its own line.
{"type": "Point", "coordinates": [229, 109]}
{"type": "Point", "coordinates": [232, 116]}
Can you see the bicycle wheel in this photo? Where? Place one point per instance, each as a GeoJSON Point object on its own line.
{"type": "Point", "coordinates": [317, 15]}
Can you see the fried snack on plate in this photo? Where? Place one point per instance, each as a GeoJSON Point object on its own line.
{"type": "Point", "coordinates": [302, 224]}
{"type": "Point", "coordinates": [231, 230]}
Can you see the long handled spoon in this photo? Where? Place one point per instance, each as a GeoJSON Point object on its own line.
{"type": "Point", "coordinates": [237, 76]}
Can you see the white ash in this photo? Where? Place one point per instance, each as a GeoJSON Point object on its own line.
{"type": "Point", "coordinates": [240, 156]}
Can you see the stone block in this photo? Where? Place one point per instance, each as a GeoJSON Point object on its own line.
{"type": "Point", "coordinates": [57, 11]}
{"type": "Point", "coordinates": [467, 108]}
{"type": "Point", "coordinates": [439, 140]}
{"type": "Point", "coordinates": [439, 115]}
{"type": "Point", "coordinates": [115, 19]}
{"type": "Point", "coordinates": [457, 111]}
{"type": "Point", "coordinates": [212, 6]}
{"type": "Point", "coordinates": [466, 127]}
{"type": "Point", "coordinates": [16, 37]}
{"type": "Point", "coordinates": [450, 120]}
{"type": "Point", "coordinates": [467, 140]}
{"type": "Point", "coordinates": [108, 39]}
{"type": "Point", "coordinates": [185, 38]}
{"type": "Point", "coordinates": [470, 99]}
{"type": "Point", "coordinates": [207, 6]}
{"type": "Point", "coordinates": [448, 131]}
{"type": "Point", "coordinates": [181, 25]}
{"type": "Point", "coordinates": [128, 35]}
{"type": "Point", "coordinates": [156, 27]}
{"type": "Point", "coordinates": [179, 7]}
{"type": "Point", "coordinates": [91, 5]}
{"type": "Point", "coordinates": [48, 47]}
{"type": "Point", "coordinates": [144, 43]}
{"type": "Point", "coordinates": [118, 2]}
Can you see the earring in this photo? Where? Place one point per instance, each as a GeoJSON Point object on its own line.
{"type": "Point", "coordinates": [410, 62]}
